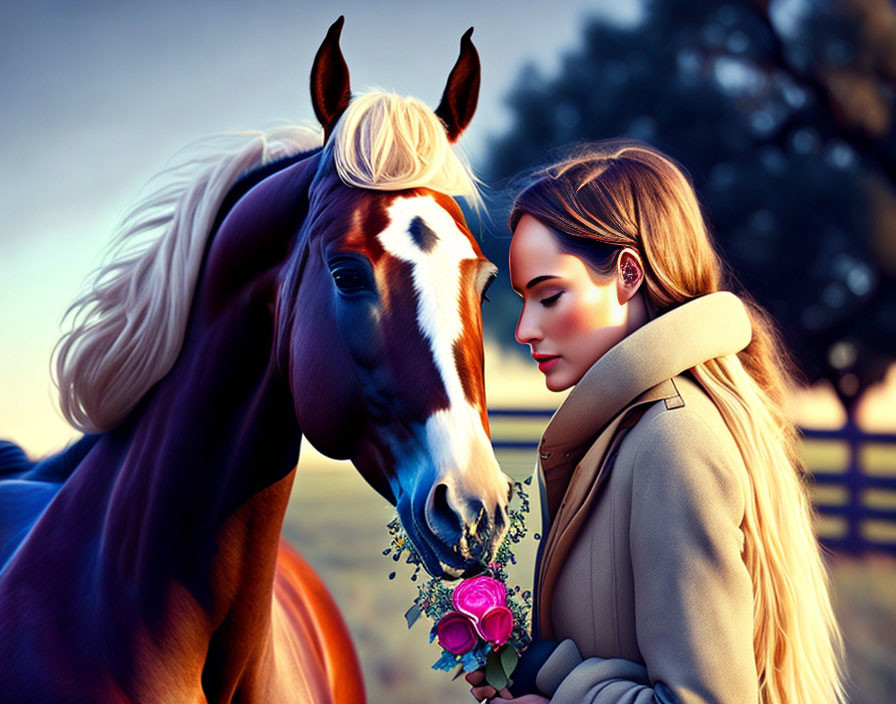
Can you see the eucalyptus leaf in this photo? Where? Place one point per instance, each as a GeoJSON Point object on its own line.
{"type": "Point", "coordinates": [413, 614]}
{"type": "Point", "coordinates": [509, 659]}
{"type": "Point", "coordinates": [494, 673]}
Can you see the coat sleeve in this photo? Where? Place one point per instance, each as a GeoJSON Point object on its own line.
{"type": "Point", "coordinates": [693, 594]}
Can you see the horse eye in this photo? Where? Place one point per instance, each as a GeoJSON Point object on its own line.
{"type": "Point", "coordinates": [349, 279]}
{"type": "Point", "coordinates": [488, 285]}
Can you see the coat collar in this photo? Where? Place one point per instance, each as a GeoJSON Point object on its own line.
{"type": "Point", "coordinates": [695, 332]}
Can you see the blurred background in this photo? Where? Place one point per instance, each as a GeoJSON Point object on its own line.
{"type": "Point", "coordinates": [782, 112]}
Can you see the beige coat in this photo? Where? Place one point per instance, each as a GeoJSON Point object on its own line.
{"type": "Point", "coordinates": [641, 574]}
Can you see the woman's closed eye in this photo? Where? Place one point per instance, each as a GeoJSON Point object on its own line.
{"type": "Point", "coordinates": [551, 300]}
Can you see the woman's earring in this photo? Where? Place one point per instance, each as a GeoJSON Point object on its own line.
{"type": "Point", "coordinates": [629, 275]}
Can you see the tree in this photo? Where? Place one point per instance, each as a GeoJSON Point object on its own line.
{"type": "Point", "coordinates": [786, 125]}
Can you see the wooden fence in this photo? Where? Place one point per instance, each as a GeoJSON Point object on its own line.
{"type": "Point", "coordinates": [854, 472]}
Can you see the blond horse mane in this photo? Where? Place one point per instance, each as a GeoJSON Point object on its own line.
{"type": "Point", "coordinates": [127, 326]}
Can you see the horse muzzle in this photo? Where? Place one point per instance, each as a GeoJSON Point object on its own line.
{"type": "Point", "coordinates": [456, 532]}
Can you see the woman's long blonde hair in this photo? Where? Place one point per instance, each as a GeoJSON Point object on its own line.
{"type": "Point", "coordinates": [627, 194]}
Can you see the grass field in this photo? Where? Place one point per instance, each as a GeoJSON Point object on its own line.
{"type": "Point", "coordinates": [338, 523]}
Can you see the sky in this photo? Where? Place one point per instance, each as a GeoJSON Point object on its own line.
{"type": "Point", "coordinates": [98, 96]}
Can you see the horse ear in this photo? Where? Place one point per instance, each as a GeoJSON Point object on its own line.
{"type": "Point", "coordinates": [330, 89]}
{"type": "Point", "coordinates": [462, 90]}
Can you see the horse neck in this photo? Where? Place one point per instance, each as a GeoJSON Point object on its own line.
{"type": "Point", "coordinates": [205, 465]}
{"type": "Point", "coordinates": [203, 488]}
{"type": "Point", "coordinates": [198, 483]}
{"type": "Point", "coordinates": [200, 495]}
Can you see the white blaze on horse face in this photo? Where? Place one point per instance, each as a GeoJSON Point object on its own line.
{"type": "Point", "coordinates": [455, 434]}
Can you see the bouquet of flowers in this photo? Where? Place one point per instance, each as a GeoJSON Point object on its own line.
{"type": "Point", "coordinates": [479, 622]}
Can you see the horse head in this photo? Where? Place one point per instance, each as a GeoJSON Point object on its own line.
{"type": "Point", "coordinates": [379, 312]}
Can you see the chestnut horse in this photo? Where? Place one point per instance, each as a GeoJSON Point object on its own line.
{"type": "Point", "coordinates": [331, 292]}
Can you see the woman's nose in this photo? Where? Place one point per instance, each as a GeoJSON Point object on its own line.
{"type": "Point", "coordinates": [527, 330]}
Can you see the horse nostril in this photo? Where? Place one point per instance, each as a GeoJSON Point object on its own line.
{"type": "Point", "coordinates": [442, 517]}
{"type": "Point", "coordinates": [478, 517]}
{"type": "Point", "coordinates": [500, 518]}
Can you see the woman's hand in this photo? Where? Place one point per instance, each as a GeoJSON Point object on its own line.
{"type": "Point", "coordinates": [482, 691]}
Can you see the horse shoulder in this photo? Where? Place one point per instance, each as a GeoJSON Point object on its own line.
{"type": "Point", "coordinates": [312, 641]}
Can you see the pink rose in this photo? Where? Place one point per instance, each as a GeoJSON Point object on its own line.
{"type": "Point", "coordinates": [496, 625]}
{"type": "Point", "coordinates": [456, 633]}
{"type": "Point", "coordinates": [477, 595]}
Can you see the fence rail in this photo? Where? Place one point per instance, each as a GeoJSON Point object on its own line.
{"type": "Point", "coordinates": [859, 518]}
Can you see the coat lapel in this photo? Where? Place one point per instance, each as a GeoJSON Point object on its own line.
{"type": "Point", "coordinates": [583, 489]}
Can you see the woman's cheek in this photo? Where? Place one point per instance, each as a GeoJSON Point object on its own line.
{"type": "Point", "coordinates": [588, 328]}
{"type": "Point", "coordinates": [574, 321]}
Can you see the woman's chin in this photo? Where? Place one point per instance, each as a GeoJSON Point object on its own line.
{"type": "Point", "coordinates": [554, 383]}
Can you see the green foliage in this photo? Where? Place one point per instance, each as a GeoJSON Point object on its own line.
{"type": "Point", "coordinates": [494, 672]}
{"type": "Point", "coordinates": [509, 659]}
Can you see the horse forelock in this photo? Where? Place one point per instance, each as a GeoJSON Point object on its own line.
{"type": "Point", "coordinates": [387, 142]}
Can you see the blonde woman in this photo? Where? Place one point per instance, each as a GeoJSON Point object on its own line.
{"type": "Point", "coordinates": [679, 561]}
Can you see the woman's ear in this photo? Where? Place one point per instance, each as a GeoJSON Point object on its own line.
{"type": "Point", "coordinates": [629, 274]}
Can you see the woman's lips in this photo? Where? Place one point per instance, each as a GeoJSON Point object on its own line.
{"type": "Point", "coordinates": [546, 363]}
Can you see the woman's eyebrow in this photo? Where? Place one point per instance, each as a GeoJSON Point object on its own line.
{"type": "Point", "coordinates": [536, 280]}
{"type": "Point", "coordinates": [539, 279]}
